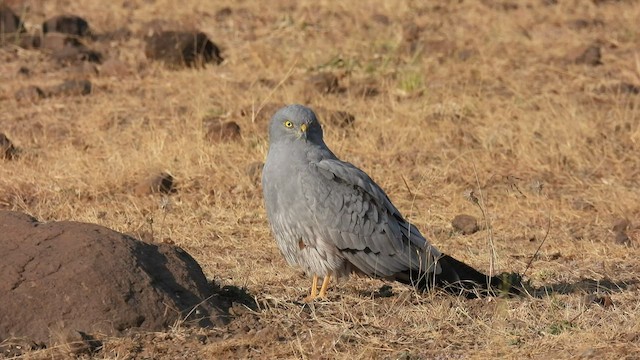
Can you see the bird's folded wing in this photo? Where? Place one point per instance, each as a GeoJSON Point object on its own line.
{"type": "Point", "coordinates": [360, 220]}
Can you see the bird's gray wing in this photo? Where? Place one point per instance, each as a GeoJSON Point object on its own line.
{"type": "Point", "coordinates": [360, 220]}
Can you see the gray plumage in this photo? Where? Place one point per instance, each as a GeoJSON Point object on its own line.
{"type": "Point", "coordinates": [331, 219]}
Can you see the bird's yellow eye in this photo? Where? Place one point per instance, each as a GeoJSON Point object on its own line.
{"type": "Point", "coordinates": [288, 124]}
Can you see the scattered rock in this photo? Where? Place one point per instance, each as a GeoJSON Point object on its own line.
{"type": "Point", "coordinates": [324, 83]}
{"type": "Point", "coordinates": [85, 278]}
{"type": "Point", "coordinates": [466, 224]}
{"type": "Point", "coordinates": [67, 24]}
{"type": "Point", "coordinates": [591, 55]}
{"type": "Point", "coordinates": [621, 238]}
{"type": "Point", "coordinates": [380, 19]}
{"type": "Point", "coordinates": [340, 118]}
{"type": "Point", "coordinates": [622, 88]}
{"type": "Point", "coordinates": [602, 300]}
{"type": "Point", "coordinates": [223, 14]}
{"type": "Point", "coordinates": [411, 34]}
{"type": "Point", "coordinates": [10, 23]}
{"type": "Point", "coordinates": [157, 183]}
{"type": "Point", "coordinates": [70, 88]}
{"type": "Point", "coordinates": [29, 94]}
{"type": "Point", "coordinates": [182, 48]}
{"type": "Point", "coordinates": [621, 225]}
{"type": "Point", "coordinates": [218, 131]}
{"type": "Point", "coordinates": [578, 24]}
{"type": "Point", "coordinates": [67, 49]}
{"type": "Point", "coordinates": [7, 150]}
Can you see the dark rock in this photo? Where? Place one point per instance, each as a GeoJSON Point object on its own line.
{"type": "Point", "coordinates": [157, 183]}
{"type": "Point", "coordinates": [30, 94]}
{"type": "Point", "coordinates": [621, 238]}
{"type": "Point", "coordinates": [621, 225]}
{"type": "Point", "coordinates": [182, 48]}
{"type": "Point", "coordinates": [67, 49]}
{"type": "Point", "coordinates": [70, 88]}
{"type": "Point", "coordinates": [223, 14]}
{"type": "Point", "coordinates": [67, 24]}
{"type": "Point", "coordinates": [341, 118]}
{"type": "Point", "coordinates": [466, 224]}
{"type": "Point", "coordinates": [78, 277]}
{"type": "Point", "coordinates": [591, 55]}
{"type": "Point", "coordinates": [218, 131]}
{"type": "Point", "coordinates": [7, 150]}
{"type": "Point", "coordinates": [380, 19]}
{"type": "Point", "coordinates": [324, 83]}
{"type": "Point", "coordinates": [10, 23]}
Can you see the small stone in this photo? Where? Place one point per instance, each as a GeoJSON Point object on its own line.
{"type": "Point", "coordinates": [591, 55]}
{"type": "Point", "coordinates": [30, 94]}
{"type": "Point", "coordinates": [324, 83]}
{"type": "Point", "coordinates": [223, 14]}
{"type": "Point", "coordinates": [182, 48]}
{"type": "Point", "coordinates": [621, 225]}
{"type": "Point", "coordinates": [7, 150]}
{"type": "Point", "coordinates": [223, 131]}
{"type": "Point", "coordinates": [158, 183]}
{"type": "Point", "coordinates": [380, 19]}
{"type": "Point", "coordinates": [70, 88]}
{"type": "Point", "coordinates": [67, 49]}
{"type": "Point", "coordinates": [341, 118]}
{"type": "Point", "coordinates": [466, 224]}
{"type": "Point", "coordinates": [10, 22]}
{"type": "Point", "coordinates": [622, 238]}
{"type": "Point", "coordinates": [67, 24]}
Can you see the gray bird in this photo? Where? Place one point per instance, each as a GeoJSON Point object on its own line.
{"type": "Point", "coordinates": [331, 219]}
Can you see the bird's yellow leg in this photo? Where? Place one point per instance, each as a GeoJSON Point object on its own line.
{"type": "Point", "coordinates": [314, 290]}
{"type": "Point", "coordinates": [325, 285]}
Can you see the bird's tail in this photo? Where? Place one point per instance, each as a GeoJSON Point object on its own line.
{"type": "Point", "coordinates": [459, 278]}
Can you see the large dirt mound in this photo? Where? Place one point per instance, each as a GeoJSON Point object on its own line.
{"type": "Point", "coordinates": [64, 276]}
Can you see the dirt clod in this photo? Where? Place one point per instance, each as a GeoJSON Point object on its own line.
{"type": "Point", "coordinates": [182, 48]}
{"type": "Point", "coordinates": [70, 88]}
{"type": "Point", "coordinates": [158, 183]}
{"type": "Point", "coordinates": [340, 118]}
{"type": "Point", "coordinates": [323, 83]}
{"type": "Point", "coordinates": [219, 131]}
{"type": "Point", "coordinates": [466, 224]}
{"type": "Point", "coordinates": [10, 22]}
{"type": "Point", "coordinates": [67, 24]}
{"type": "Point", "coordinates": [590, 55]}
{"type": "Point", "coordinates": [29, 94]}
{"type": "Point", "coordinates": [7, 150]}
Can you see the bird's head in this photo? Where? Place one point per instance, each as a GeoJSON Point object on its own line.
{"type": "Point", "coordinates": [295, 123]}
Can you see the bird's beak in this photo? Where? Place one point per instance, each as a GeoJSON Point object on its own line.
{"type": "Point", "coordinates": [303, 131]}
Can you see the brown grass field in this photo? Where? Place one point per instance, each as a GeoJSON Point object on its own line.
{"type": "Point", "coordinates": [472, 95]}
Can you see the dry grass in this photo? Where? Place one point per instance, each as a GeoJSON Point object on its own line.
{"type": "Point", "coordinates": [487, 91]}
